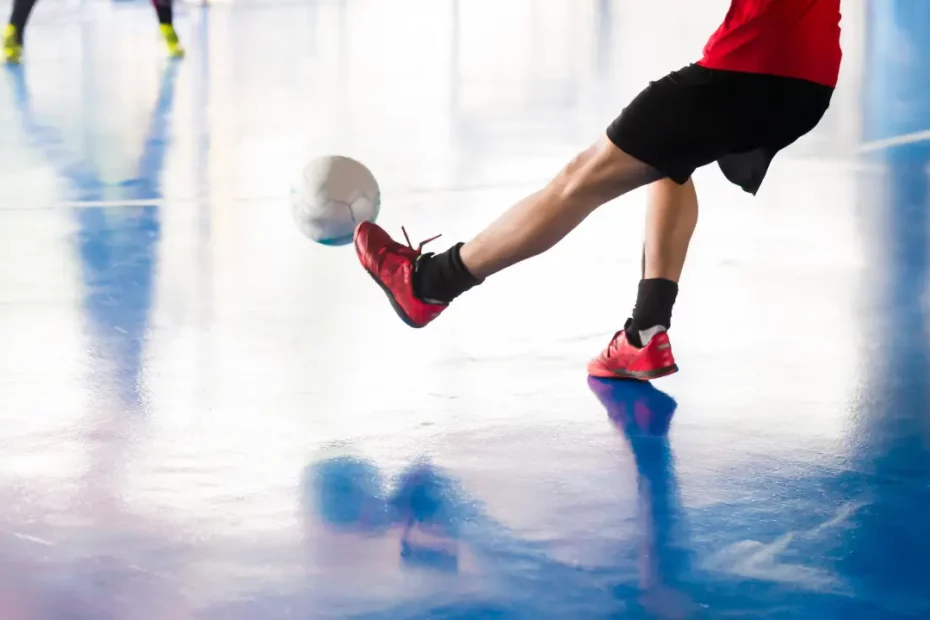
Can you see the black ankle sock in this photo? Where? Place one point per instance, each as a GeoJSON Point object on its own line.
{"type": "Point", "coordinates": [165, 12]}
{"type": "Point", "coordinates": [19, 16]}
{"type": "Point", "coordinates": [442, 277]}
{"type": "Point", "coordinates": [653, 307]}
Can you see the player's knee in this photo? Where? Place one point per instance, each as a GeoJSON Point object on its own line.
{"type": "Point", "coordinates": [600, 174]}
{"type": "Point", "coordinates": [578, 190]}
{"type": "Point", "coordinates": [575, 182]}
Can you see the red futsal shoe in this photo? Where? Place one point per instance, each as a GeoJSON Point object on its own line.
{"type": "Point", "coordinates": [621, 360]}
{"type": "Point", "coordinates": [392, 266]}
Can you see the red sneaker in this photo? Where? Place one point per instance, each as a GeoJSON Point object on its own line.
{"type": "Point", "coordinates": [392, 265]}
{"type": "Point", "coordinates": [621, 360]}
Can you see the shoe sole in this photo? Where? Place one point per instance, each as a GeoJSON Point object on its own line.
{"type": "Point", "coordinates": [638, 375]}
{"type": "Point", "coordinates": [397, 308]}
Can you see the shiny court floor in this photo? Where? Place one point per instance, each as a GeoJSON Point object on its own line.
{"type": "Point", "coordinates": [205, 416]}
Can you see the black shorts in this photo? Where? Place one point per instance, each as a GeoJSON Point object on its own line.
{"type": "Point", "coordinates": [696, 116]}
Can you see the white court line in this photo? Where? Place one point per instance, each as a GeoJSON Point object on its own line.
{"type": "Point", "coordinates": [90, 204]}
{"type": "Point", "coordinates": [28, 538]}
{"type": "Point", "coordinates": [887, 143]}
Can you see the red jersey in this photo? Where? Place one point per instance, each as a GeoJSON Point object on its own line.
{"type": "Point", "coordinates": [790, 38]}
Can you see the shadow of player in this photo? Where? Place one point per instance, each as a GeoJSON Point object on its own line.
{"type": "Point", "coordinates": [426, 506]}
{"type": "Point", "coordinates": [439, 521]}
{"type": "Point", "coordinates": [643, 414]}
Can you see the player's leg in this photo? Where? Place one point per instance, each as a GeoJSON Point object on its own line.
{"type": "Point", "coordinates": [538, 222]}
{"type": "Point", "coordinates": [14, 32]}
{"type": "Point", "coordinates": [164, 9]}
{"type": "Point", "coordinates": [420, 286]}
{"type": "Point", "coordinates": [641, 350]}
{"type": "Point", "coordinates": [671, 216]}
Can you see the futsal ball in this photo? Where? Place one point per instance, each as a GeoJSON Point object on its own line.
{"type": "Point", "coordinates": [332, 195]}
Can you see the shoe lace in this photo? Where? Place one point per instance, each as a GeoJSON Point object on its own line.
{"type": "Point", "coordinates": [419, 248]}
{"type": "Point", "coordinates": [614, 345]}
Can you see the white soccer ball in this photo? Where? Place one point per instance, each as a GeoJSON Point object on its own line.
{"type": "Point", "coordinates": [332, 195]}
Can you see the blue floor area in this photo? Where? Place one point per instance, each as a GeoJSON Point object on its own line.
{"type": "Point", "coordinates": [205, 416]}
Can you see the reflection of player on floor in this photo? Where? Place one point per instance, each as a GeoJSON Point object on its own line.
{"type": "Point", "coordinates": [765, 80]}
{"type": "Point", "coordinates": [13, 35]}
